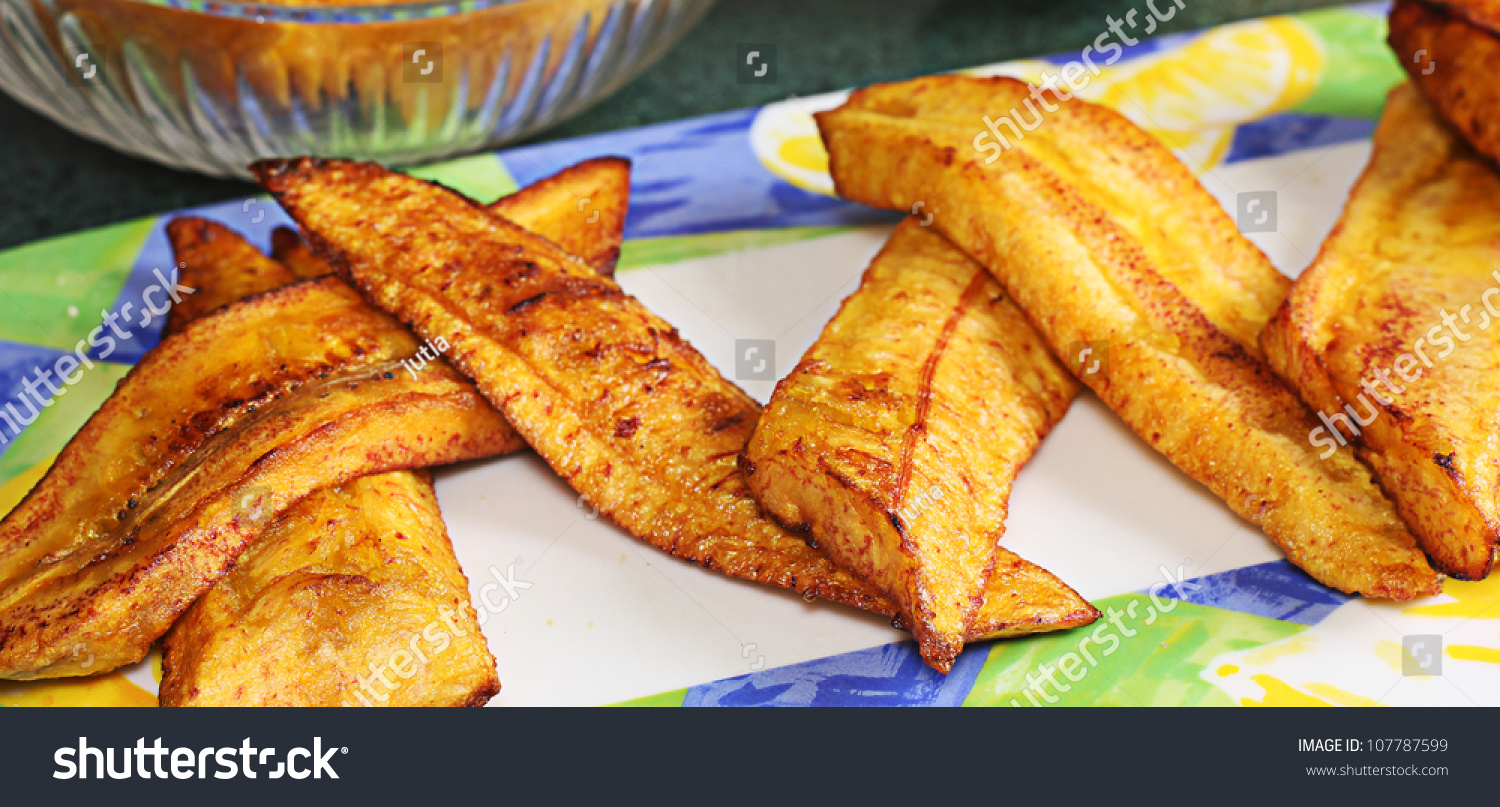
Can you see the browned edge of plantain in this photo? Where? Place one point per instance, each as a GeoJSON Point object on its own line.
{"type": "Point", "coordinates": [208, 438]}
{"type": "Point", "coordinates": [289, 250]}
{"type": "Point", "coordinates": [1102, 236]}
{"type": "Point", "coordinates": [607, 393]}
{"type": "Point", "coordinates": [581, 209]}
{"type": "Point", "coordinates": [201, 248]}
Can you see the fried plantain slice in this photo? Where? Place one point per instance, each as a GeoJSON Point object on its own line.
{"type": "Point", "coordinates": [607, 393]}
{"type": "Point", "coordinates": [352, 597]}
{"type": "Point", "coordinates": [580, 208]}
{"type": "Point", "coordinates": [214, 433]}
{"type": "Point", "coordinates": [202, 249]}
{"type": "Point", "coordinates": [319, 606]}
{"type": "Point", "coordinates": [1021, 598]}
{"type": "Point", "coordinates": [1371, 333]}
{"type": "Point", "coordinates": [1451, 49]}
{"type": "Point", "coordinates": [1111, 245]}
{"type": "Point", "coordinates": [896, 439]}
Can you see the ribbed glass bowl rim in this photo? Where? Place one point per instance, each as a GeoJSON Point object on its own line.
{"type": "Point", "coordinates": [336, 15]}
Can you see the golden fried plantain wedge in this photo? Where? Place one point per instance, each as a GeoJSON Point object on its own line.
{"type": "Point", "coordinates": [1110, 244]}
{"type": "Point", "coordinates": [222, 267]}
{"type": "Point", "coordinates": [896, 439]}
{"type": "Point", "coordinates": [214, 433]}
{"type": "Point", "coordinates": [1451, 49]}
{"type": "Point", "coordinates": [606, 392]}
{"type": "Point", "coordinates": [317, 609]}
{"type": "Point", "coordinates": [1021, 598]}
{"type": "Point", "coordinates": [580, 208]}
{"type": "Point", "coordinates": [353, 597]}
{"type": "Point", "coordinates": [1371, 334]}
{"type": "Point", "coordinates": [203, 249]}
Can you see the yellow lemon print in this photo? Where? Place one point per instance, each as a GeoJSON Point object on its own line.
{"type": "Point", "coordinates": [1470, 652]}
{"type": "Point", "coordinates": [1190, 97]}
{"type": "Point", "coordinates": [1225, 77]}
{"type": "Point", "coordinates": [785, 138]}
{"type": "Point", "coordinates": [1278, 693]}
{"type": "Point", "coordinates": [1193, 97]}
{"type": "Point", "coordinates": [1339, 697]}
{"type": "Point", "coordinates": [805, 152]}
{"type": "Point", "coordinates": [1478, 600]}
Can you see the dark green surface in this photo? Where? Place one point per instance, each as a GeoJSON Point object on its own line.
{"type": "Point", "coordinates": [52, 182]}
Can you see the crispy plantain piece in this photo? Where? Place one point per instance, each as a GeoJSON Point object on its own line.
{"type": "Point", "coordinates": [896, 439]}
{"type": "Point", "coordinates": [1451, 50]}
{"type": "Point", "coordinates": [580, 208]}
{"type": "Point", "coordinates": [215, 432]}
{"type": "Point", "coordinates": [222, 267]}
{"type": "Point", "coordinates": [1414, 251]}
{"type": "Point", "coordinates": [609, 394]}
{"type": "Point", "coordinates": [203, 248]}
{"type": "Point", "coordinates": [1110, 244]}
{"type": "Point", "coordinates": [352, 597]}
{"type": "Point", "coordinates": [1021, 598]}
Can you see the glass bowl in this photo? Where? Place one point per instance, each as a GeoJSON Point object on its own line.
{"type": "Point", "coordinates": [213, 86]}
